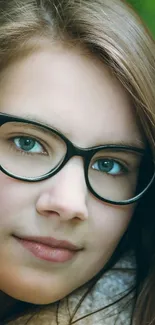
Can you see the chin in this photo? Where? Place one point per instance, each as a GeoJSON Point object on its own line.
{"type": "Point", "coordinates": [34, 298]}
{"type": "Point", "coordinates": [27, 287]}
{"type": "Point", "coordinates": [32, 295]}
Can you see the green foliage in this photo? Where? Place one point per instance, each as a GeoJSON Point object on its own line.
{"type": "Point", "coordinates": [146, 9]}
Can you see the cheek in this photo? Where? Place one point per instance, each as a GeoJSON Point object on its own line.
{"type": "Point", "coordinates": [14, 198]}
{"type": "Point", "coordinates": [8, 194]}
{"type": "Point", "coordinates": [108, 224]}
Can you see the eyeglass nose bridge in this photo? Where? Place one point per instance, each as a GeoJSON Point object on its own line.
{"type": "Point", "coordinates": [73, 151]}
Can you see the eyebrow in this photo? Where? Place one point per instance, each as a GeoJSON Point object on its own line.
{"type": "Point", "coordinates": [139, 144]}
{"type": "Point", "coordinates": [136, 144]}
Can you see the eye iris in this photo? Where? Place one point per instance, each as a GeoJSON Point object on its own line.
{"type": "Point", "coordinates": [105, 165]}
{"type": "Point", "coordinates": [26, 143]}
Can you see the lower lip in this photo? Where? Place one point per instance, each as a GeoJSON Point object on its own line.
{"type": "Point", "coordinates": [47, 253]}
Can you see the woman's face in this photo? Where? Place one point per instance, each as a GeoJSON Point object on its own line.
{"type": "Point", "coordinates": [75, 94]}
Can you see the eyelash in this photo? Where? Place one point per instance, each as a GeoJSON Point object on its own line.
{"type": "Point", "coordinates": [123, 165]}
{"type": "Point", "coordinates": [14, 147]}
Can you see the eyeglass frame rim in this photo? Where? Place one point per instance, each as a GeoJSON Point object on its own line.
{"type": "Point", "coordinates": [73, 150]}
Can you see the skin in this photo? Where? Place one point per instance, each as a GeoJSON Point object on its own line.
{"type": "Point", "coordinates": [76, 94]}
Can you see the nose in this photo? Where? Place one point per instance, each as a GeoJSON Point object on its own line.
{"type": "Point", "coordinates": [65, 194]}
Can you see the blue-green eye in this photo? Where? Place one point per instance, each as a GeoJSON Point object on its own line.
{"type": "Point", "coordinates": [108, 166]}
{"type": "Point", "coordinates": [28, 145]}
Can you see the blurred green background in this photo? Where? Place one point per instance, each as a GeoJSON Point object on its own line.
{"type": "Point", "coordinates": [146, 9]}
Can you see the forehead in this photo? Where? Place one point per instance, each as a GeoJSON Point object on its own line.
{"type": "Point", "coordinates": [72, 92]}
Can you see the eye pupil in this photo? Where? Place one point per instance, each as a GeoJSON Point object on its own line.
{"type": "Point", "coordinates": [105, 165]}
{"type": "Point", "coordinates": [26, 143]}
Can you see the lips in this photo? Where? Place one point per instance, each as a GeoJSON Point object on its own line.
{"type": "Point", "coordinates": [49, 249]}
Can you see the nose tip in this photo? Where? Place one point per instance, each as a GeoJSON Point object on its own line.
{"type": "Point", "coordinates": [69, 210]}
{"type": "Point", "coordinates": [51, 205]}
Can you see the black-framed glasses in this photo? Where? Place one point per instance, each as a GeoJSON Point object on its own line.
{"type": "Point", "coordinates": [33, 152]}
